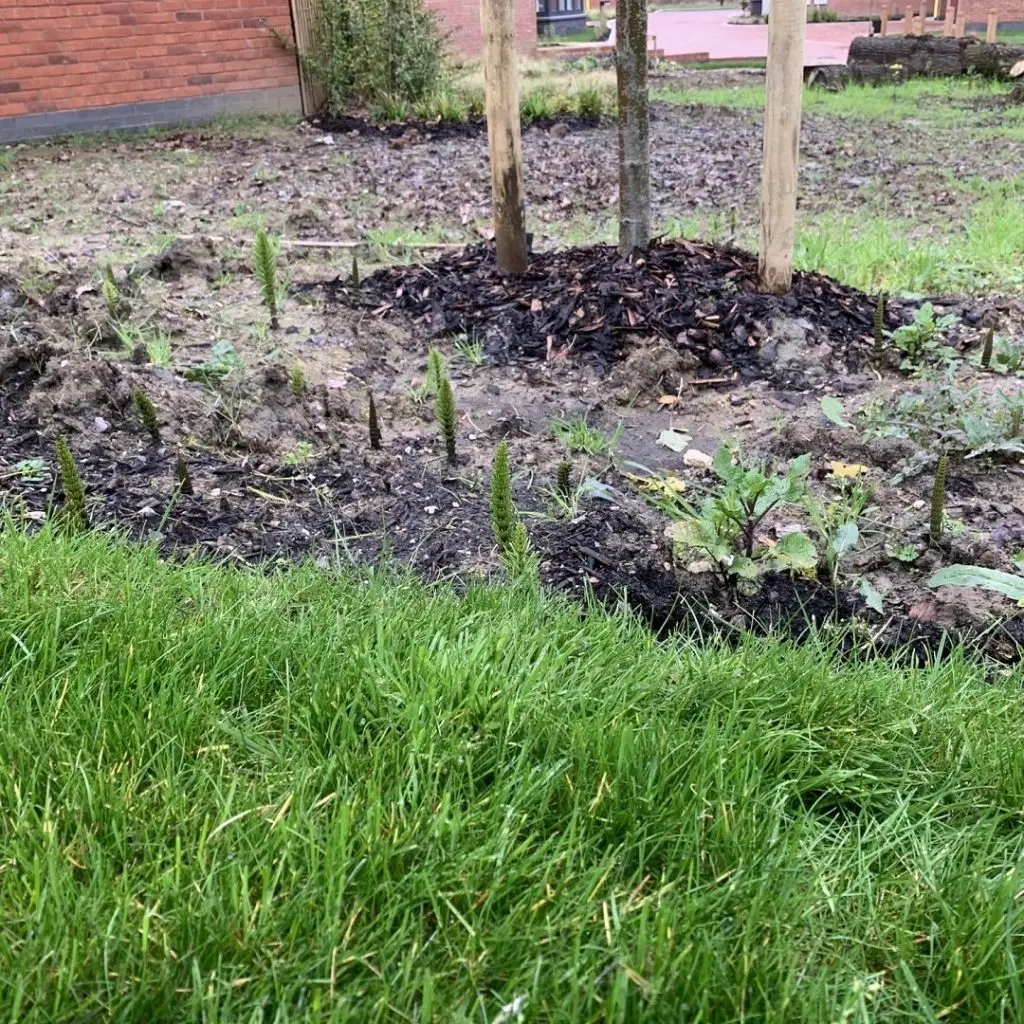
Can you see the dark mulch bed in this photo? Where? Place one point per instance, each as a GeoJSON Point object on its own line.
{"type": "Point", "coordinates": [591, 301]}
{"type": "Point", "coordinates": [343, 508]}
{"type": "Point", "coordinates": [410, 131]}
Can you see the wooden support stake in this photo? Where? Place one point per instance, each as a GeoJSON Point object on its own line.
{"type": "Point", "coordinates": [961, 24]}
{"type": "Point", "coordinates": [947, 28]}
{"type": "Point", "coordinates": [922, 28]}
{"type": "Point", "coordinates": [885, 20]}
{"type": "Point", "coordinates": [501, 82]}
{"type": "Point", "coordinates": [992, 28]}
{"type": "Point", "coordinates": [784, 92]}
{"type": "Point", "coordinates": [908, 21]}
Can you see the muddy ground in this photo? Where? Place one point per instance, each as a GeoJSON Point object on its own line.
{"type": "Point", "coordinates": [271, 421]}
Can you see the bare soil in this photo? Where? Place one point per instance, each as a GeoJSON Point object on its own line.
{"type": "Point", "coordinates": [277, 447]}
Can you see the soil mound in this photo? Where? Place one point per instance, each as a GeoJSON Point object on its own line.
{"type": "Point", "coordinates": [590, 301]}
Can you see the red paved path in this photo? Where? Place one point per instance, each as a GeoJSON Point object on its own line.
{"type": "Point", "coordinates": [680, 32]}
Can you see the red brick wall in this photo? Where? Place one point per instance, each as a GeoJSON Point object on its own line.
{"type": "Point", "coordinates": [57, 55]}
{"type": "Point", "coordinates": [462, 19]}
{"type": "Point", "coordinates": [975, 11]}
{"type": "Point", "coordinates": [67, 55]}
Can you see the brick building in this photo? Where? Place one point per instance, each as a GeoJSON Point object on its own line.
{"type": "Point", "coordinates": [86, 65]}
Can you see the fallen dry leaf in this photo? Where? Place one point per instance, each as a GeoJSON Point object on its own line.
{"type": "Point", "coordinates": [847, 470]}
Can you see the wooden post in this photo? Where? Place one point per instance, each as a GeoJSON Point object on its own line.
{"type": "Point", "coordinates": [992, 28]}
{"type": "Point", "coordinates": [961, 24]}
{"type": "Point", "coordinates": [908, 21]}
{"type": "Point", "coordinates": [923, 24]}
{"type": "Point", "coordinates": [784, 96]}
{"type": "Point", "coordinates": [501, 83]}
{"type": "Point", "coordinates": [885, 20]}
{"type": "Point", "coordinates": [947, 28]}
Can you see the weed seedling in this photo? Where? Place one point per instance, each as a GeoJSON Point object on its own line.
{"type": "Point", "coordinates": [299, 455]}
{"type": "Point", "coordinates": [923, 341]}
{"type": "Point", "coordinates": [30, 471]}
{"type": "Point", "coordinates": [579, 436]}
{"type": "Point", "coordinates": [470, 350]}
{"type": "Point", "coordinates": [938, 500]}
{"type": "Point", "coordinates": [375, 434]}
{"type": "Point", "coordinates": [224, 360]}
{"type": "Point", "coordinates": [906, 553]}
{"type": "Point", "coordinates": [836, 525]}
{"type": "Point", "coordinates": [74, 490]}
{"type": "Point", "coordinates": [503, 513]}
{"type": "Point", "coordinates": [264, 255]}
{"type": "Point", "coordinates": [447, 417]}
{"type": "Point", "coordinates": [159, 348]}
{"type": "Point", "coordinates": [725, 526]}
{"type": "Point", "coordinates": [147, 413]}
{"type": "Point", "coordinates": [183, 475]}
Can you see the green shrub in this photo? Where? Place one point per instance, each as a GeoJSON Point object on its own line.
{"type": "Point", "coordinates": [537, 106]}
{"type": "Point", "coordinates": [391, 109]}
{"type": "Point", "coordinates": [376, 51]}
{"type": "Point", "coordinates": [589, 102]}
{"type": "Point", "coordinates": [450, 107]}
{"type": "Point", "coordinates": [475, 100]}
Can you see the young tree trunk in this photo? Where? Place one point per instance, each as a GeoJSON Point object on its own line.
{"type": "Point", "coordinates": [634, 125]}
{"type": "Point", "coordinates": [501, 82]}
{"type": "Point", "coordinates": [784, 87]}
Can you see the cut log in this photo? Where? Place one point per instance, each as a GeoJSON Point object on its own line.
{"type": "Point", "coordinates": [875, 58]}
{"type": "Point", "coordinates": [831, 77]}
{"type": "Point", "coordinates": [993, 60]}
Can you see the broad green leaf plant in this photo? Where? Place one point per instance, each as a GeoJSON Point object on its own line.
{"type": "Point", "coordinates": [724, 528]}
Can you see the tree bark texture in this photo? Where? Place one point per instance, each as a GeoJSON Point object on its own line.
{"type": "Point", "coordinates": [501, 82]}
{"type": "Point", "coordinates": [634, 125]}
{"type": "Point", "coordinates": [784, 81]}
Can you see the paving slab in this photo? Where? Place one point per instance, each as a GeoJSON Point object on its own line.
{"type": "Point", "coordinates": [680, 32]}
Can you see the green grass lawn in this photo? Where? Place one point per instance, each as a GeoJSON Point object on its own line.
{"type": "Point", "coordinates": [312, 795]}
{"type": "Point", "coordinates": [976, 248]}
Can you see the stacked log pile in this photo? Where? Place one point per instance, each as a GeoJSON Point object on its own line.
{"type": "Point", "coordinates": [881, 58]}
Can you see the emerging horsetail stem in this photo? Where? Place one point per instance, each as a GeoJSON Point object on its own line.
{"type": "Point", "coordinates": [938, 499]}
{"type": "Point", "coordinates": [503, 513]}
